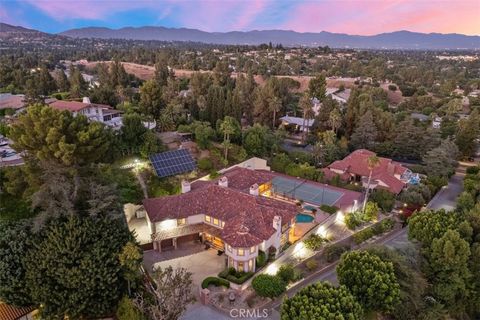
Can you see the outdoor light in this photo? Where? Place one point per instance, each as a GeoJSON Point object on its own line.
{"type": "Point", "coordinates": [340, 217]}
{"type": "Point", "coordinates": [300, 251]}
{"type": "Point", "coordinates": [321, 231]}
{"type": "Point", "coordinates": [272, 269]}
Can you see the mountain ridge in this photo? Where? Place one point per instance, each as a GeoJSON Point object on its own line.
{"type": "Point", "coordinates": [402, 39]}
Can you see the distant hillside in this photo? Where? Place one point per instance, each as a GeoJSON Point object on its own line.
{"type": "Point", "coordinates": [17, 32]}
{"type": "Point", "coordinates": [393, 40]}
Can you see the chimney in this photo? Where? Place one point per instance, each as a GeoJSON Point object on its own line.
{"type": "Point", "coordinates": [254, 190]}
{"type": "Point", "coordinates": [86, 100]}
{"type": "Point", "coordinates": [277, 223]}
{"type": "Point", "coordinates": [223, 182]}
{"type": "Point", "coordinates": [186, 186]}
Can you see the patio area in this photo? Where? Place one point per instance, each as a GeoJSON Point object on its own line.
{"type": "Point", "coordinates": [201, 264]}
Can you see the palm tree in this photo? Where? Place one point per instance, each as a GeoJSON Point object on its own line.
{"type": "Point", "coordinates": [335, 120]}
{"type": "Point", "coordinates": [227, 127]}
{"type": "Point", "coordinates": [306, 105]}
{"type": "Point", "coordinates": [372, 162]}
{"type": "Point", "coordinates": [275, 104]}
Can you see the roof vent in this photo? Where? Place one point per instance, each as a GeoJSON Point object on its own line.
{"type": "Point", "coordinates": [223, 182]}
{"type": "Point", "coordinates": [254, 190]}
{"type": "Point", "coordinates": [186, 187]}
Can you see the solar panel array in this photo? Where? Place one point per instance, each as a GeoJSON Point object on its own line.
{"type": "Point", "coordinates": [173, 162]}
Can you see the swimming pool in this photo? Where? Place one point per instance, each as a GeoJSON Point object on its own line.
{"type": "Point", "coordinates": [304, 218]}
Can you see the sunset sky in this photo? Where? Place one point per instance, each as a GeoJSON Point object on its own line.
{"type": "Point", "coordinates": [363, 17]}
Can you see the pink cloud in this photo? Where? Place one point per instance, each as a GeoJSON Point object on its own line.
{"type": "Point", "coordinates": [372, 17]}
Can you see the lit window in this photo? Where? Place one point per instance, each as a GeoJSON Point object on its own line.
{"type": "Point", "coordinates": [207, 218]}
{"type": "Point", "coordinates": [240, 266]}
{"type": "Point", "coordinates": [229, 247]}
{"type": "Point", "coordinates": [215, 221]}
{"type": "Point", "coordinates": [223, 224]}
{"type": "Point", "coordinates": [252, 249]}
{"type": "Point", "coordinates": [181, 222]}
{"type": "Point", "coordinates": [240, 252]}
{"type": "Point", "coordinates": [250, 265]}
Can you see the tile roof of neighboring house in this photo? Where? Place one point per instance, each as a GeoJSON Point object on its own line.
{"type": "Point", "coordinates": [8, 312]}
{"type": "Point", "coordinates": [75, 106]}
{"type": "Point", "coordinates": [356, 163]}
{"type": "Point", "coordinates": [298, 121]}
{"type": "Point", "coordinates": [12, 101]}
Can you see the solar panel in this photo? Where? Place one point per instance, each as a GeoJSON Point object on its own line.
{"type": "Point", "coordinates": [173, 162]}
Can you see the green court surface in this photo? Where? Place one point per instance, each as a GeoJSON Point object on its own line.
{"type": "Point", "coordinates": [301, 190]}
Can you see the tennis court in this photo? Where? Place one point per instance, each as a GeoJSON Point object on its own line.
{"type": "Point", "coordinates": [302, 190]}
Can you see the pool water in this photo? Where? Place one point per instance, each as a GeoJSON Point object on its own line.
{"type": "Point", "coordinates": [304, 218]}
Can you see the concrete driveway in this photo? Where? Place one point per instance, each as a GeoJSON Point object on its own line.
{"type": "Point", "coordinates": [201, 265]}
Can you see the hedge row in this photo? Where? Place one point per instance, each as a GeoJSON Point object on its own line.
{"type": "Point", "coordinates": [328, 209]}
{"type": "Point", "coordinates": [379, 228]}
{"type": "Point", "coordinates": [217, 282]}
{"type": "Point", "coordinates": [235, 276]}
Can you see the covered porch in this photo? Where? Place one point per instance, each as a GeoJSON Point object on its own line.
{"type": "Point", "coordinates": [171, 239]}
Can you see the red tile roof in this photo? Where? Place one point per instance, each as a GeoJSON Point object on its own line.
{"type": "Point", "coordinates": [248, 219]}
{"type": "Point", "coordinates": [356, 163]}
{"type": "Point", "coordinates": [8, 312]}
{"type": "Point", "coordinates": [75, 106]}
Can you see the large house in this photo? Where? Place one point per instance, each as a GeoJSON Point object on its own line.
{"type": "Point", "coordinates": [388, 174]}
{"type": "Point", "coordinates": [239, 213]}
{"type": "Point", "coordinates": [93, 111]}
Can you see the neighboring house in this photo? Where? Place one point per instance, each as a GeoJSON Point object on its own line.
{"type": "Point", "coordinates": [8, 312]}
{"type": "Point", "coordinates": [389, 175]}
{"type": "Point", "coordinates": [420, 117]}
{"type": "Point", "coordinates": [12, 101]}
{"type": "Point", "coordinates": [299, 123]}
{"type": "Point", "coordinates": [342, 96]}
{"type": "Point", "coordinates": [93, 111]}
{"type": "Point", "coordinates": [436, 123]}
{"type": "Point", "coordinates": [239, 213]}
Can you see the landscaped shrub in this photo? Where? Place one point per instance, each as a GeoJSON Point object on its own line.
{"type": "Point", "coordinates": [311, 264]}
{"type": "Point", "coordinates": [384, 199]}
{"type": "Point", "coordinates": [334, 251]}
{"type": "Point", "coordinates": [261, 259]}
{"type": "Point", "coordinates": [392, 87]}
{"type": "Point", "coordinates": [205, 164]}
{"type": "Point", "coordinates": [127, 310]}
{"type": "Point", "coordinates": [266, 285]}
{"type": "Point", "coordinates": [363, 235]}
{"type": "Point", "coordinates": [379, 228]}
{"type": "Point", "coordinates": [352, 220]}
{"type": "Point", "coordinates": [473, 170]}
{"type": "Point", "coordinates": [314, 242]}
{"type": "Point", "coordinates": [217, 282]}
{"type": "Point", "coordinates": [328, 209]}
{"type": "Point", "coordinates": [235, 276]}
{"type": "Point", "coordinates": [214, 174]}
{"type": "Point", "coordinates": [286, 272]}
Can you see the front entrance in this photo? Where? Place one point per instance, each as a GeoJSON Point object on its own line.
{"type": "Point", "coordinates": [214, 242]}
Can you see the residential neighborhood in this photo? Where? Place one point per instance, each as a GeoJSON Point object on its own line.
{"type": "Point", "coordinates": [209, 160]}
